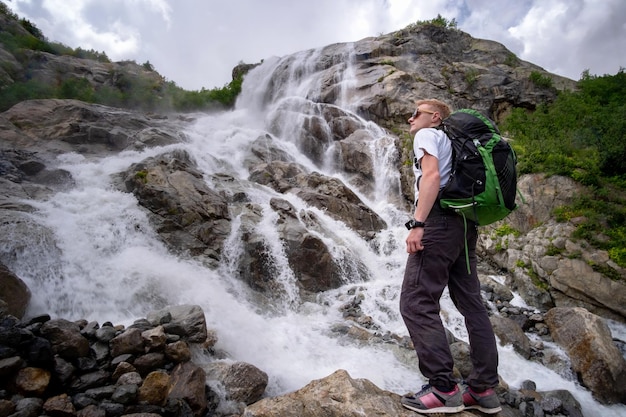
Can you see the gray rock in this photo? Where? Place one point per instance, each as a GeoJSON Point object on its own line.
{"type": "Point", "coordinates": [597, 361]}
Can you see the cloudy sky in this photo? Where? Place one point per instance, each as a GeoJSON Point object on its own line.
{"type": "Point", "coordinates": [196, 43]}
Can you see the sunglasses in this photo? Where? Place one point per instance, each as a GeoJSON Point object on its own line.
{"type": "Point", "coordinates": [417, 112]}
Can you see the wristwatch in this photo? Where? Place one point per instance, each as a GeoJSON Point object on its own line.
{"type": "Point", "coordinates": [412, 224]}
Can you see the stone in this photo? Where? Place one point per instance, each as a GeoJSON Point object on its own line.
{"type": "Point", "coordinates": [66, 339]}
{"type": "Point", "coordinates": [129, 378]}
{"type": "Point", "coordinates": [129, 342]}
{"type": "Point", "coordinates": [154, 338]}
{"type": "Point", "coordinates": [242, 381]}
{"type": "Point", "coordinates": [32, 381]}
{"type": "Point", "coordinates": [91, 411]}
{"type": "Point", "coordinates": [336, 395]}
{"type": "Point", "coordinates": [588, 342]}
{"type": "Point", "coordinates": [11, 365]}
{"type": "Point", "coordinates": [178, 351]}
{"type": "Point", "coordinates": [187, 383]}
{"type": "Point", "coordinates": [577, 279]}
{"type": "Point", "coordinates": [188, 321]}
{"type": "Point", "coordinates": [59, 406]}
{"type": "Point", "coordinates": [123, 368]}
{"type": "Point", "coordinates": [155, 388]}
{"type": "Point", "coordinates": [14, 292]}
{"type": "Point", "coordinates": [145, 363]}
{"type": "Point", "coordinates": [509, 332]}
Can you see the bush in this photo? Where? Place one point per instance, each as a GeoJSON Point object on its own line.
{"type": "Point", "coordinates": [540, 80]}
{"type": "Point", "coordinates": [14, 93]}
{"type": "Point", "coordinates": [582, 135]}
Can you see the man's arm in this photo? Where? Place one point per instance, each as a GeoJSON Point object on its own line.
{"type": "Point", "coordinates": [428, 191]}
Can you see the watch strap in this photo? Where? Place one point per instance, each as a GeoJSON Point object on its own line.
{"type": "Point", "coordinates": [412, 224]}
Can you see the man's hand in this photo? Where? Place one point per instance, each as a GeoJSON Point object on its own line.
{"type": "Point", "coordinates": [414, 240]}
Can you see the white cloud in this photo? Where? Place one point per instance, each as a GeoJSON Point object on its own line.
{"type": "Point", "coordinates": [196, 44]}
{"type": "Point", "coordinates": [567, 37]}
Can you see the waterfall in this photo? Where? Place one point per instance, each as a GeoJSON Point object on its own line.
{"type": "Point", "coordinates": [104, 262]}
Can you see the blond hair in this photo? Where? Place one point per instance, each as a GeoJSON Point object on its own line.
{"type": "Point", "coordinates": [436, 105]}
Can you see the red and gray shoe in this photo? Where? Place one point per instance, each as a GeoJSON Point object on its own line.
{"type": "Point", "coordinates": [486, 401]}
{"type": "Point", "coordinates": [430, 400]}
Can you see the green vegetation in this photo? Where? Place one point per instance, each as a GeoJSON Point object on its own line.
{"type": "Point", "coordinates": [511, 60]}
{"type": "Point", "coordinates": [148, 91]}
{"type": "Point", "coordinates": [471, 76]}
{"type": "Point", "coordinates": [540, 80]}
{"type": "Point", "coordinates": [534, 277]}
{"type": "Point", "coordinates": [505, 230]}
{"type": "Point", "coordinates": [537, 280]}
{"type": "Point", "coordinates": [582, 135]}
{"type": "Point", "coordinates": [142, 175]}
{"type": "Point", "coordinates": [439, 21]}
{"type": "Point", "coordinates": [553, 250]}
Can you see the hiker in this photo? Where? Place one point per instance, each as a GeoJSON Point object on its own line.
{"type": "Point", "coordinates": [438, 257]}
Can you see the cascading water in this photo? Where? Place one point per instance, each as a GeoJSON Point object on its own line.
{"type": "Point", "coordinates": [104, 262]}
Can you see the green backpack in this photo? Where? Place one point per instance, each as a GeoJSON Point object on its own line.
{"type": "Point", "coordinates": [483, 182]}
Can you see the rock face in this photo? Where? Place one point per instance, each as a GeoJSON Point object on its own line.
{"type": "Point", "coordinates": [548, 266]}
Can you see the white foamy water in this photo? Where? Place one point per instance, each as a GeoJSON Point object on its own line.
{"type": "Point", "coordinates": [104, 262]}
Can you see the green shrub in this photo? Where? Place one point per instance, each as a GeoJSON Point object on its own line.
{"type": "Point", "coordinates": [437, 21]}
{"type": "Point", "coordinates": [618, 255]}
{"type": "Point", "coordinates": [505, 230]}
{"type": "Point", "coordinates": [76, 88]}
{"type": "Point", "coordinates": [540, 80]}
{"type": "Point", "coordinates": [471, 76]}
{"type": "Point", "coordinates": [28, 90]}
{"type": "Point", "coordinates": [552, 250]}
{"type": "Point", "coordinates": [511, 60]}
{"type": "Point", "coordinates": [581, 135]}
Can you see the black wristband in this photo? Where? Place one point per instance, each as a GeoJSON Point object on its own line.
{"type": "Point", "coordinates": [412, 224]}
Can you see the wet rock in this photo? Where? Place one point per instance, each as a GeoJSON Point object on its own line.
{"type": "Point", "coordinates": [66, 339]}
{"type": "Point", "coordinates": [14, 292]}
{"type": "Point", "coordinates": [509, 332]}
{"type": "Point", "coordinates": [597, 361]}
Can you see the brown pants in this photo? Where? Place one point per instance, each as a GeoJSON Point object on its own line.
{"type": "Point", "coordinates": [443, 262]}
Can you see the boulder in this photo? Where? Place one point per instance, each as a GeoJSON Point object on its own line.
{"type": "Point", "coordinates": [14, 294]}
{"type": "Point", "coordinates": [66, 339]}
{"type": "Point", "coordinates": [190, 217]}
{"type": "Point", "coordinates": [337, 395]}
{"type": "Point", "coordinates": [595, 359]}
{"type": "Point", "coordinates": [326, 193]}
{"type": "Point", "coordinates": [242, 382]}
{"type": "Point", "coordinates": [577, 280]}
{"type": "Point", "coordinates": [188, 383]}
{"type": "Point", "coordinates": [511, 333]}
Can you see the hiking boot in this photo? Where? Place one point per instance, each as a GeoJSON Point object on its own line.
{"type": "Point", "coordinates": [431, 400]}
{"type": "Point", "coordinates": [486, 401]}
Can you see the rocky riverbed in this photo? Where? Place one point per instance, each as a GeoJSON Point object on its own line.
{"type": "Point", "coordinates": [166, 365]}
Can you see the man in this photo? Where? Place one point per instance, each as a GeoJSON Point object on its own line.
{"type": "Point", "coordinates": [437, 258]}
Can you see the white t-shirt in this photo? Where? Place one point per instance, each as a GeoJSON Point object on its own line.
{"type": "Point", "coordinates": [435, 143]}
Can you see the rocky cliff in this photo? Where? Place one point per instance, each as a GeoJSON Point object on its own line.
{"type": "Point", "coordinates": [193, 211]}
